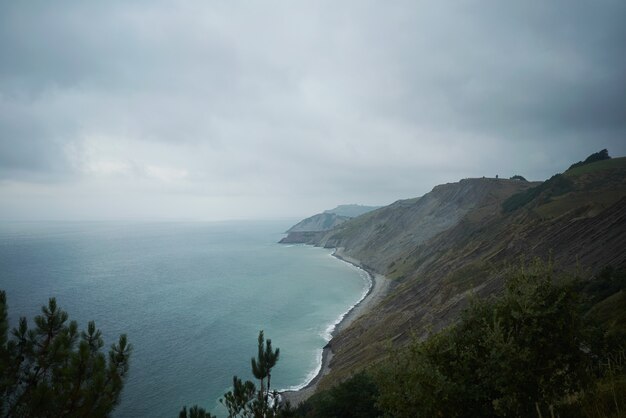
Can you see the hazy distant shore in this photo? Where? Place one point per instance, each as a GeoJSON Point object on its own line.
{"type": "Point", "coordinates": [378, 290]}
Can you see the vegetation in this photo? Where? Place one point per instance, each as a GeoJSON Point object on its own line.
{"type": "Point", "coordinates": [598, 156]}
{"type": "Point", "coordinates": [244, 400]}
{"type": "Point", "coordinates": [263, 364]}
{"type": "Point", "coordinates": [518, 177]}
{"type": "Point", "coordinates": [194, 412]}
{"type": "Point", "coordinates": [508, 357]}
{"type": "Point", "coordinates": [54, 370]}
{"type": "Point", "coordinates": [613, 164]}
{"type": "Point", "coordinates": [555, 186]}
{"type": "Point", "coordinates": [603, 302]}
{"type": "Point", "coordinates": [354, 398]}
{"type": "Point", "coordinates": [549, 346]}
{"type": "Point", "coordinates": [535, 351]}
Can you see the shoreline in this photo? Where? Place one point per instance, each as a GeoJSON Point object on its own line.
{"type": "Point", "coordinates": [379, 287]}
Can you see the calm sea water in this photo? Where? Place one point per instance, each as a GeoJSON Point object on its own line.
{"type": "Point", "coordinates": [192, 298]}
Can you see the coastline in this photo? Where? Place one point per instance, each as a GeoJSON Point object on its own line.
{"type": "Point", "coordinates": [379, 288]}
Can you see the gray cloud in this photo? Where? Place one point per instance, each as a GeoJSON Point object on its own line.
{"type": "Point", "coordinates": [226, 109]}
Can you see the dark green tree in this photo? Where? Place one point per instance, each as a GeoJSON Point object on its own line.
{"type": "Point", "coordinates": [55, 371]}
{"type": "Point", "coordinates": [194, 412]}
{"type": "Point", "coordinates": [354, 398]}
{"type": "Point", "coordinates": [263, 364]}
{"type": "Point", "coordinates": [524, 352]}
{"type": "Point", "coordinates": [238, 400]}
{"type": "Point", "coordinates": [244, 400]}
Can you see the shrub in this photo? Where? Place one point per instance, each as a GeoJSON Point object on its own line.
{"type": "Point", "coordinates": [506, 357]}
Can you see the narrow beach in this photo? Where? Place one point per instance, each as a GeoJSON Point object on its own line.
{"type": "Point", "coordinates": [377, 291]}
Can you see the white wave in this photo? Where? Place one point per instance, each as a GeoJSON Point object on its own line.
{"type": "Point", "coordinates": [327, 334]}
{"type": "Point", "coordinates": [311, 375]}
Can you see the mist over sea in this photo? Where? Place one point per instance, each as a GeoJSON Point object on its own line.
{"type": "Point", "coordinates": [191, 297]}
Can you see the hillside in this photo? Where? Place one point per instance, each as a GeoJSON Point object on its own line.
{"type": "Point", "coordinates": [310, 228]}
{"type": "Point", "coordinates": [458, 241]}
{"type": "Point", "coordinates": [387, 234]}
{"type": "Point", "coordinates": [351, 211]}
{"type": "Point", "coordinates": [320, 222]}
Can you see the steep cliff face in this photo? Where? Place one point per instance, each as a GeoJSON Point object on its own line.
{"type": "Point", "coordinates": [383, 236]}
{"type": "Point", "coordinates": [457, 242]}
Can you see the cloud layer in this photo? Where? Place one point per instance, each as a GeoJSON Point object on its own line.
{"type": "Point", "coordinates": [215, 110]}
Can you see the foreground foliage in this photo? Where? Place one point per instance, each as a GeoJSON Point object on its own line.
{"type": "Point", "coordinates": [354, 398]}
{"type": "Point", "coordinates": [549, 346]}
{"type": "Point", "coordinates": [543, 348]}
{"type": "Point", "coordinates": [529, 353]}
{"type": "Point", "coordinates": [53, 370]}
{"type": "Point", "coordinates": [244, 400]}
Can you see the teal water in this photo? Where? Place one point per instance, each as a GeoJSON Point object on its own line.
{"type": "Point", "coordinates": [191, 297]}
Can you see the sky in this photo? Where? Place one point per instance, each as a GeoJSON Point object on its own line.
{"type": "Point", "coordinates": [215, 110]}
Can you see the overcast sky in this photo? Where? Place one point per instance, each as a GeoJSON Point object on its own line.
{"type": "Point", "coordinates": [239, 109]}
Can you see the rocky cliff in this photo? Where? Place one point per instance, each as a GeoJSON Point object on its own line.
{"type": "Point", "coordinates": [458, 241]}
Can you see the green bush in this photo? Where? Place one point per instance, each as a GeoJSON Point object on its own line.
{"type": "Point", "coordinates": [529, 349]}
{"type": "Point", "coordinates": [354, 398]}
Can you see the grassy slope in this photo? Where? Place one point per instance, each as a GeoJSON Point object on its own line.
{"type": "Point", "coordinates": [612, 164]}
{"type": "Point", "coordinates": [598, 186]}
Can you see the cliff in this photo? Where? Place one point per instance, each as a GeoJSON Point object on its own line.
{"type": "Point", "coordinates": [457, 242]}
{"type": "Point", "coordinates": [308, 230]}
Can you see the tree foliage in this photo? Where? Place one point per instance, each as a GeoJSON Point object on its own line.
{"type": "Point", "coordinates": [244, 399]}
{"type": "Point", "coordinates": [194, 412]}
{"type": "Point", "coordinates": [354, 398]}
{"type": "Point", "coordinates": [264, 362]}
{"type": "Point", "coordinates": [53, 370]}
{"type": "Point", "coordinates": [555, 186]}
{"type": "Point", "coordinates": [529, 349]}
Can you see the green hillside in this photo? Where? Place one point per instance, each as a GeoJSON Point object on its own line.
{"type": "Point", "coordinates": [457, 243]}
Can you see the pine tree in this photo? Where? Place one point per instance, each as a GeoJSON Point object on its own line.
{"type": "Point", "coordinates": [271, 358]}
{"type": "Point", "coordinates": [194, 412]}
{"type": "Point", "coordinates": [53, 370]}
{"type": "Point", "coordinates": [263, 364]}
{"type": "Point", "coordinates": [238, 400]}
{"type": "Point", "coordinates": [244, 400]}
{"type": "Point", "coordinates": [259, 366]}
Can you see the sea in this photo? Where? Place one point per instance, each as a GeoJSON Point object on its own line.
{"type": "Point", "coordinates": [191, 297]}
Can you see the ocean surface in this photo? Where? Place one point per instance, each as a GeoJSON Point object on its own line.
{"type": "Point", "coordinates": [192, 298]}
